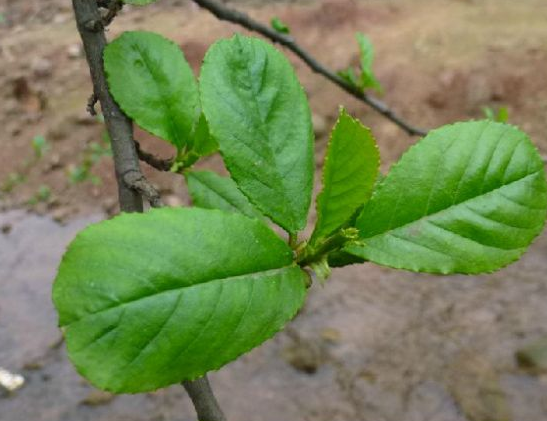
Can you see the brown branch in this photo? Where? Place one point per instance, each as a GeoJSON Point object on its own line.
{"type": "Point", "coordinates": [119, 127]}
{"type": "Point", "coordinates": [131, 183]}
{"type": "Point", "coordinates": [154, 161]}
{"type": "Point", "coordinates": [204, 401]}
{"type": "Point", "coordinates": [223, 12]}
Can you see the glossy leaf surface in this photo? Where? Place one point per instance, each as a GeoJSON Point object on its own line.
{"type": "Point", "coordinates": [201, 144]}
{"type": "Point", "coordinates": [350, 169]}
{"type": "Point", "coordinates": [212, 191]}
{"type": "Point", "coordinates": [468, 198]}
{"type": "Point", "coordinates": [149, 300]}
{"type": "Point", "coordinates": [153, 83]}
{"type": "Point", "coordinates": [259, 114]}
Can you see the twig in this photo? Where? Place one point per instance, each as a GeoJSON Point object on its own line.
{"type": "Point", "coordinates": [223, 12]}
{"type": "Point", "coordinates": [126, 161]}
{"type": "Point", "coordinates": [204, 401]}
{"type": "Point", "coordinates": [154, 161]}
{"type": "Point", "coordinates": [113, 7]}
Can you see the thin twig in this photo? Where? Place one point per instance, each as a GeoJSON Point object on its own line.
{"type": "Point", "coordinates": [154, 161]}
{"type": "Point", "coordinates": [223, 12]}
{"type": "Point", "coordinates": [113, 7]}
{"type": "Point", "coordinates": [204, 401]}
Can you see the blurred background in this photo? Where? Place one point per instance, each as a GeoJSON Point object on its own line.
{"type": "Point", "coordinates": [373, 343]}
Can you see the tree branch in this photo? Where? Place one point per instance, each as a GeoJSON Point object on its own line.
{"type": "Point", "coordinates": [120, 128]}
{"type": "Point", "coordinates": [223, 12]}
{"type": "Point", "coordinates": [203, 399]}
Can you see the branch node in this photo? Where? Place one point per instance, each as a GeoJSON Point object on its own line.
{"type": "Point", "coordinates": [135, 180]}
{"type": "Point", "coordinates": [91, 102]}
{"type": "Point", "coordinates": [113, 6]}
{"type": "Point", "coordinates": [93, 25]}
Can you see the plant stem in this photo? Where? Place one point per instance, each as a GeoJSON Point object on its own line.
{"type": "Point", "coordinates": [313, 253]}
{"type": "Point", "coordinates": [120, 129]}
{"type": "Point", "coordinates": [131, 183]}
{"type": "Point", "coordinates": [204, 400]}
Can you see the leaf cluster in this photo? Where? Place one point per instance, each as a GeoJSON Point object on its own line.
{"type": "Point", "coordinates": [150, 300]}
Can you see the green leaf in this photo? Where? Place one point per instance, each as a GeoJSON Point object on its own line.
{"type": "Point", "coordinates": [488, 113]}
{"type": "Point", "coordinates": [154, 85]}
{"type": "Point", "coordinates": [40, 146]}
{"type": "Point", "coordinates": [211, 191]}
{"type": "Point", "coordinates": [352, 162]}
{"type": "Point", "coordinates": [149, 300]}
{"type": "Point", "coordinates": [366, 49]}
{"type": "Point", "coordinates": [349, 76]}
{"type": "Point", "coordinates": [139, 2]}
{"type": "Point", "coordinates": [201, 144]}
{"type": "Point", "coordinates": [280, 26]}
{"type": "Point", "coordinates": [468, 198]}
{"type": "Point", "coordinates": [259, 114]}
{"type": "Point", "coordinates": [503, 115]}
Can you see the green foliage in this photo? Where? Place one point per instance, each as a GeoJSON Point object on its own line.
{"type": "Point", "coordinates": [280, 26]}
{"type": "Point", "coordinates": [502, 115]}
{"type": "Point", "coordinates": [211, 191]}
{"type": "Point", "coordinates": [365, 79]}
{"type": "Point", "coordinates": [93, 153]}
{"type": "Point", "coordinates": [43, 194]}
{"type": "Point", "coordinates": [259, 114]}
{"type": "Point", "coordinates": [350, 77]}
{"type": "Point", "coordinates": [154, 85]}
{"type": "Point", "coordinates": [146, 301]}
{"type": "Point", "coordinates": [350, 169]}
{"type": "Point", "coordinates": [40, 146]}
{"type": "Point", "coordinates": [202, 144]}
{"type": "Point", "coordinates": [12, 180]}
{"type": "Point", "coordinates": [149, 300]}
{"type": "Point", "coordinates": [468, 198]}
{"type": "Point", "coordinates": [366, 55]}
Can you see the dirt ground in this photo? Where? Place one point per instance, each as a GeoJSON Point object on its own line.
{"type": "Point", "coordinates": [373, 344]}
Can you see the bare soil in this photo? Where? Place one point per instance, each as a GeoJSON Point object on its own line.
{"type": "Point", "coordinates": [373, 344]}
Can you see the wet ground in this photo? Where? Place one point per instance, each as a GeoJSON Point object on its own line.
{"type": "Point", "coordinates": [373, 344]}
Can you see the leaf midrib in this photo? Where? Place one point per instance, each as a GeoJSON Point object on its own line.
{"type": "Point", "coordinates": [391, 229]}
{"type": "Point", "coordinates": [117, 305]}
